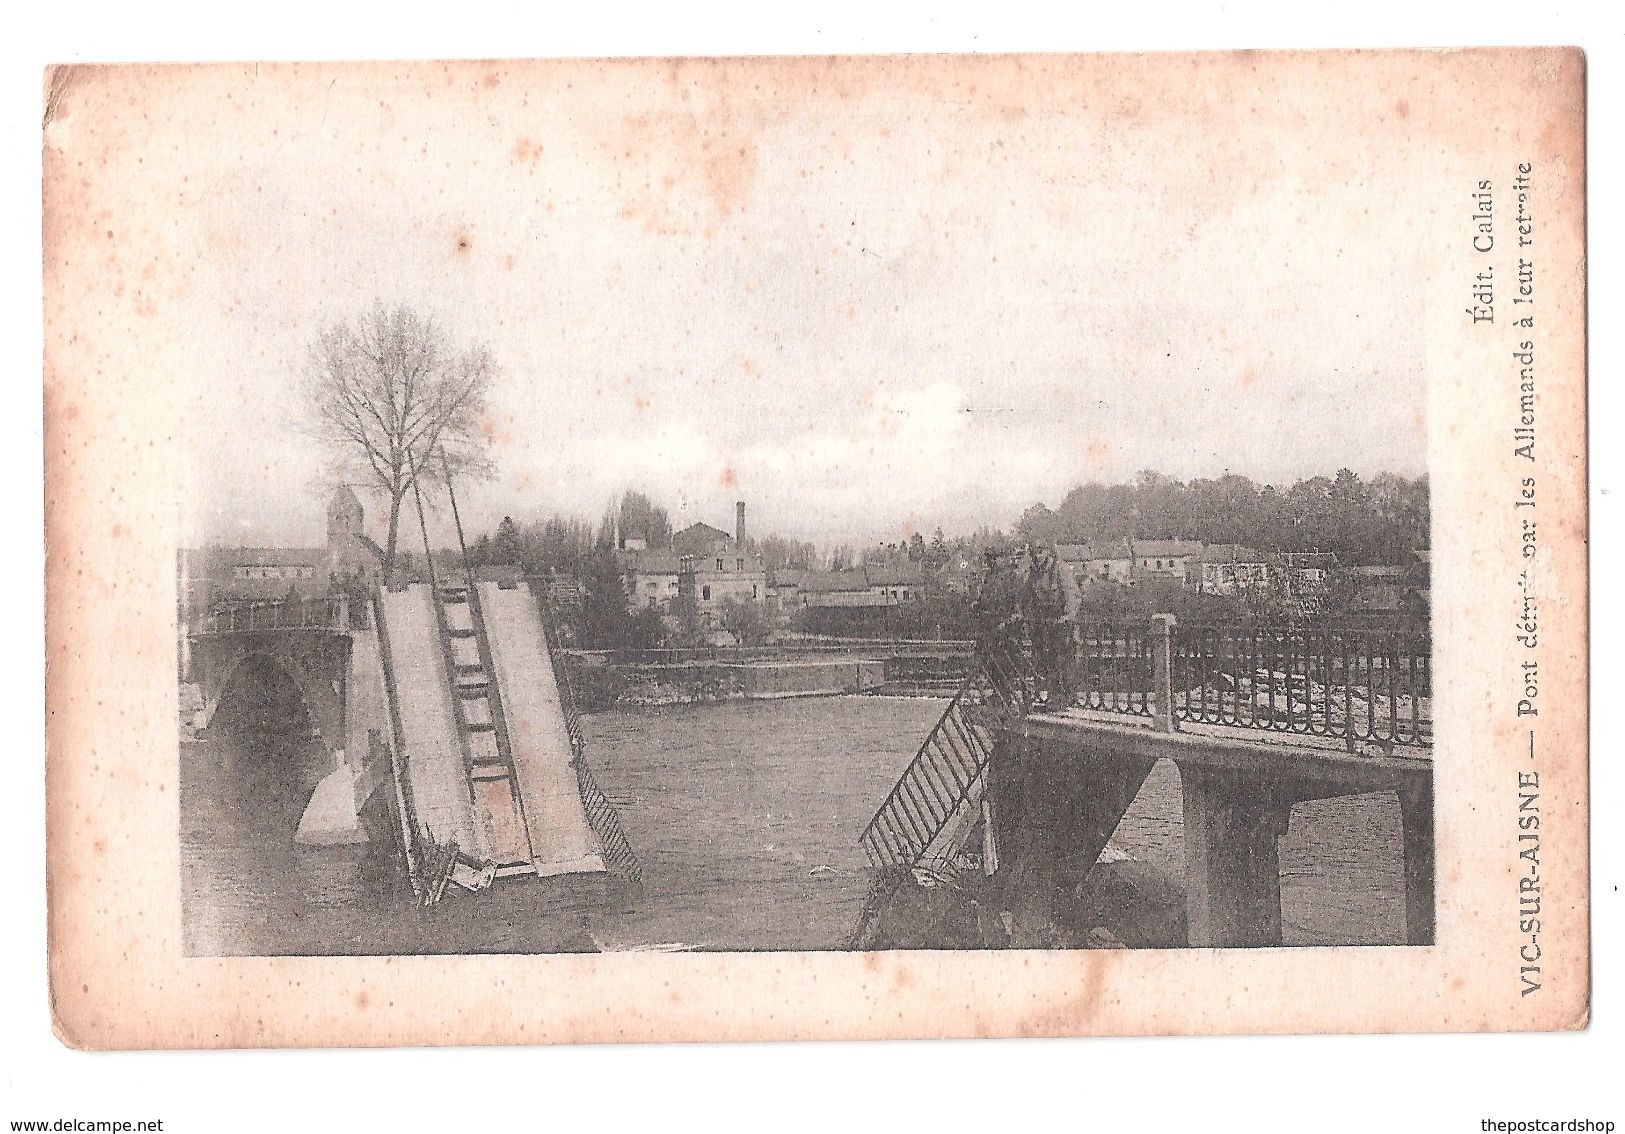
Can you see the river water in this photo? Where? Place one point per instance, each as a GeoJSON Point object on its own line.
{"type": "Point", "coordinates": [745, 816]}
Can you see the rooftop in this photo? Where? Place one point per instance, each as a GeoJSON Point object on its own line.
{"type": "Point", "coordinates": [652, 562]}
{"type": "Point", "coordinates": [904, 574]}
{"type": "Point", "coordinates": [825, 582]}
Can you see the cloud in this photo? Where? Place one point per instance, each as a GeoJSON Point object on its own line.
{"type": "Point", "coordinates": [876, 312]}
{"type": "Point", "coordinates": [915, 457]}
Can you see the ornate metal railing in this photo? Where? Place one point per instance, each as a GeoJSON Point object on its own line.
{"type": "Point", "coordinates": [561, 678]}
{"type": "Point", "coordinates": [1355, 685]}
{"type": "Point", "coordinates": [605, 822]}
{"type": "Point", "coordinates": [1112, 670]}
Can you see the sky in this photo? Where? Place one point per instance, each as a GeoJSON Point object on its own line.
{"type": "Point", "coordinates": [868, 298]}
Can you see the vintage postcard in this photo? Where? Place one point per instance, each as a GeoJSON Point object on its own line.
{"type": "Point", "coordinates": [789, 548]}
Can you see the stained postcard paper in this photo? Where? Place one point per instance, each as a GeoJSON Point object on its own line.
{"type": "Point", "coordinates": [782, 548]}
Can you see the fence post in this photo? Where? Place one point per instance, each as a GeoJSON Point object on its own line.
{"type": "Point", "coordinates": [1162, 671]}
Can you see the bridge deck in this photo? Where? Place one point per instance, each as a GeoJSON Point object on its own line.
{"type": "Point", "coordinates": [1238, 786]}
{"type": "Point", "coordinates": [1271, 754]}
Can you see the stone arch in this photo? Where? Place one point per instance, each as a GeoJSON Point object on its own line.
{"type": "Point", "coordinates": [317, 667]}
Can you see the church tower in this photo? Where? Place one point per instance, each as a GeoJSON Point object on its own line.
{"type": "Point", "coordinates": [344, 518]}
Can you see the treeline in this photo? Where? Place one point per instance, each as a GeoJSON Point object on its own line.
{"type": "Point", "coordinates": [1378, 521]}
{"type": "Point", "coordinates": [931, 553]}
{"type": "Point", "coordinates": [568, 545]}
{"type": "Point", "coordinates": [561, 545]}
{"type": "Point", "coordinates": [573, 549]}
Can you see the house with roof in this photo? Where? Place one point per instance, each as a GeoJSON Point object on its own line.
{"type": "Point", "coordinates": [1307, 572]}
{"type": "Point", "coordinates": [652, 577]}
{"type": "Point", "coordinates": [895, 582]}
{"type": "Point", "coordinates": [1387, 591]}
{"type": "Point", "coordinates": [1231, 569]}
{"type": "Point", "coordinates": [784, 588]}
{"type": "Point", "coordinates": [1376, 588]}
{"type": "Point", "coordinates": [714, 568]}
{"type": "Point", "coordinates": [832, 589]}
{"type": "Point", "coordinates": [1103, 562]}
{"type": "Point", "coordinates": [1179, 559]}
{"type": "Point", "coordinates": [1075, 556]}
{"type": "Point", "coordinates": [701, 539]}
{"type": "Point", "coordinates": [707, 582]}
{"type": "Point", "coordinates": [1125, 561]}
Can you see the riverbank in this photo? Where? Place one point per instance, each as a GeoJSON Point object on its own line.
{"type": "Point", "coordinates": [604, 681]}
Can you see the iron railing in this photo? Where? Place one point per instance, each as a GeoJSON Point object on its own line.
{"type": "Point", "coordinates": [561, 678]}
{"type": "Point", "coordinates": [1356, 685]}
{"type": "Point", "coordinates": [605, 822]}
{"type": "Point", "coordinates": [1113, 668]}
{"type": "Point", "coordinates": [602, 815]}
{"type": "Point", "coordinates": [948, 769]}
{"type": "Point", "coordinates": [328, 612]}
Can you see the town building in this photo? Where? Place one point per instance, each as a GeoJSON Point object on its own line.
{"type": "Point", "coordinates": [1307, 572]}
{"type": "Point", "coordinates": [652, 577]}
{"type": "Point", "coordinates": [876, 585]}
{"type": "Point", "coordinates": [715, 568]}
{"type": "Point", "coordinates": [1106, 562]}
{"type": "Point", "coordinates": [1179, 559]}
{"type": "Point", "coordinates": [1376, 589]}
{"type": "Point", "coordinates": [830, 589]}
{"type": "Point", "coordinates": [699, 539]}
{"type": "Point", "coordinates": [895, 582]}
{"type": "Point", "coordinates": [1128, 561]}
{"type": "Point", "coordinates": [1388, 591]}
{"type": "Point", "coordinates": [213, 575]}
{"type": "Point", "coordinates": [1232, 569]}
{"type": "Point", "coordinates": [784, 585]}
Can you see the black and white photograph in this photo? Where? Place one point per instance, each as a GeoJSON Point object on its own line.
{"type": "Point", "coordinates": [681, 517]}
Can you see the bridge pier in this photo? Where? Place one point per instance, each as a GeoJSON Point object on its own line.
{"type": "Point", "coordinates": [1416, 823]}
{"type": "Point", "coordinates": [1233, 825]}
{"type": "Point", "coordinates": [1056, 810]}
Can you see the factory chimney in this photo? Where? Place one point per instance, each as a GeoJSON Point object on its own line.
{"type": "Point", "coordinates": [739, 524]}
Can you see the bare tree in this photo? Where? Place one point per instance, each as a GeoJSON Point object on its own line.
{"type": "Point", "coordinates": [396, 401]}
